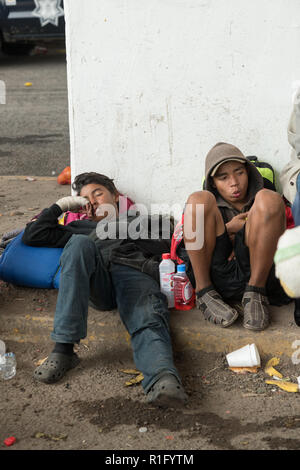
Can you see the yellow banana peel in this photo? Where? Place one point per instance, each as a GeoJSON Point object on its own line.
{"type": "Point", "coordinates": [137, 379]}
{"type": "Point", "coordinates": [287, 386]}
{"type": "Point", "coordinates": [269, 369]}
{"type": "Point", "coordinates": [274, 361]}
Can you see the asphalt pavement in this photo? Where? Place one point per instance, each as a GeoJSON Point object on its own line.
{"type": "Point", "coordinates": [34, 127]}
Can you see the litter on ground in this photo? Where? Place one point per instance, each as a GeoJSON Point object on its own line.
{"type": "Point", "coordinates": [135, 380]}
{"type": "Point", "coordinates": [278, 379]}
{"type": "Point", "coordinates": [244, 370]}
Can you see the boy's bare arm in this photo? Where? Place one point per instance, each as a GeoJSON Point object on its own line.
{"type": "Point", "coordinates": [236, 223]}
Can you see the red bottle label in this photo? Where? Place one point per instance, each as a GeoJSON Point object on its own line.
{"type": "Point", "coordinates": [187, 291]}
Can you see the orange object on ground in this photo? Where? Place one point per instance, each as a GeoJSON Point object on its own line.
{"type": "Point", "coordinates": [243, 370]}
{"type": "Point", "coordinates": [65, 176]}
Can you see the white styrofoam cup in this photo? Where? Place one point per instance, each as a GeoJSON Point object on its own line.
{"type": "Point", "coordinates": [247, 356]}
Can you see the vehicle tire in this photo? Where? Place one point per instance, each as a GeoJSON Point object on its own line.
{"type": "Point", "coordinates": [16, 49]}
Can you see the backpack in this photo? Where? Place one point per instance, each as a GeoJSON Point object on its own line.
{"type": "Point", "coordinates": [266, 170]}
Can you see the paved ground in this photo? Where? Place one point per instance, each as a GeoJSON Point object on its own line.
{"type": "Point", "coordinates": [34, 131]}
{"type": "Point", "coordinates": [92, 408]}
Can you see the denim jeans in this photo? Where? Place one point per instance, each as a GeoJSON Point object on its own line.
{"type": "Point", "coordinates": [142, 307]}
{"type": "Point", "coordinates": [296, 203]}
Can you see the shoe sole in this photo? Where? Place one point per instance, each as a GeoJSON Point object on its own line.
{"type": "Point", "coordinates": [165, 401]}
{"type": "Point", "coordinates": [230, 322]}
{"type": "Point", "coordinates": [223, 325]}
{"type": "Point", "coordinates": [255, 329]}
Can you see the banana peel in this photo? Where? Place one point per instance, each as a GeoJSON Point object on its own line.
{"type": "Point", "coordinates": [135, 380]}
{"type": "Point", "coordinates": [284, 385]}
{"type": "Point", "coordinates": [269, 369]}
{"type": "Point", "coordinates": [279, 380]}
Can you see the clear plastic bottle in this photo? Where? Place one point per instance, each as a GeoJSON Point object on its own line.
{"type": "Point", "coordinates": [9, 369]}
{"type": "Point", "coordinates": [166, 272]}
{"type": "Point", "coordinates": [2, 356]}
{"type": "Point", "coordinates": [183, 290]}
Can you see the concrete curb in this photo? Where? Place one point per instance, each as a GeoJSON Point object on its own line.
{"type": "Point", "coordinates": [191, 331]}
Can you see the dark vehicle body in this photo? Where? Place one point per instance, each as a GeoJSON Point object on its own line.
{"type": "Point", "coordinates": [27, 22]}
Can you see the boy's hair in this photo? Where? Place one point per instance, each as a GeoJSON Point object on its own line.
{"type": "Point", "coordinates": [93, 178]}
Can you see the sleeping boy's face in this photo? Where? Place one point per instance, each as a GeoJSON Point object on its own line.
{"type": "Point", "coordinates": [99, 198]}
{"type": "Point", "coordinates": [231, 182]}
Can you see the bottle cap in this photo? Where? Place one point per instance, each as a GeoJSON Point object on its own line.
{"type": "Point", "coordinates": [166, 256]}
{"type": "Point", "coordinates": [181, 268]}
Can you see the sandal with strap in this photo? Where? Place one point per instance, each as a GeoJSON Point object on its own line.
{"type": "Point", "coordinates": [167, 392]}
{"type": "Point", "coordinates": [214, 309]}
{"type": "Point", "coordinates": [256, 312]}
{"type": "Point", "coordinates": [55, 367]}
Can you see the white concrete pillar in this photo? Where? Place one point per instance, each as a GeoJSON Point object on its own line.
{"type": "Point", "coordinates": [154, 84]}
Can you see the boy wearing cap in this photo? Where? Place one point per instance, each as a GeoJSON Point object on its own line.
{"type": "Point", "coordinates": [242, 224]}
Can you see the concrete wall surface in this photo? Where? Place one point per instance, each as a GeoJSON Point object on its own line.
{"type": "Point", "coordinates": [154, 84]}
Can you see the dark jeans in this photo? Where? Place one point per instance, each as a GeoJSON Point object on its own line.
{"type": "Point", "coordinates": [296, 215]}
{"type": "Point", "coordinates": [142, 307]}
{"type": "Point", "coordinates": [296, 204]}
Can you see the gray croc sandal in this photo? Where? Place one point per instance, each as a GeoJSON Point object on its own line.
{"type": "Point", "coordinates": [55, 367]}
{"type": "Point", "coordinates": [167, 392]}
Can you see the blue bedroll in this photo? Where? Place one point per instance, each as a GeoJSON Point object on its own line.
{"type": "Point", "coordinates": [30, 266]}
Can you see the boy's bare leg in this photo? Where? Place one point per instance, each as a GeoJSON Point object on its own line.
{"type": "Point", "coordinates": [213, 227]}
{"type": "Point", "coordinates": [208, 300]}
{"type": "Point", "coordinates": [265, 224]}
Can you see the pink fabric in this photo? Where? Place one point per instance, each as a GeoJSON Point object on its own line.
{"type": "Point", "coordinates": [124, 204]}
{"type": "Point", "coordinates": [71, 216]}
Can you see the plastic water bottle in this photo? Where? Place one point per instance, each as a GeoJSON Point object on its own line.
{"type": "Point", "coordinates": [183, 290]}
{"type": "Point", "coordinates": [8, 364]}
{"type": "Point", "coordinates": [166, 272]}
{"type": "Point", "coordinates": [2, 356]}
{"type": "Point", "coordinates": [9, 369]}
{"type": "Point", "coordinates": [2, 348]}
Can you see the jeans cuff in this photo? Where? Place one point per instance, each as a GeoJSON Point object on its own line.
{"type": "Point", "coordinates": [64, 339]}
